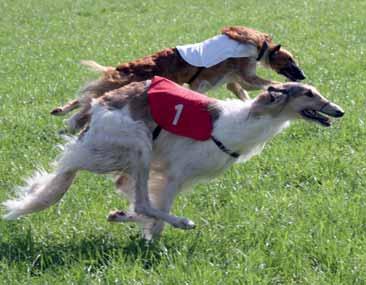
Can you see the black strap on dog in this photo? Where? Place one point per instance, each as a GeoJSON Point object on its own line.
{"type": "Point", "coordinates": [220, 145]}
{"type": "Point", "coordinates": [262, 51]}
{"type": "Point", "coordinates": [156, 132]}
{"type": "Point", "coordinates": [193, 78]}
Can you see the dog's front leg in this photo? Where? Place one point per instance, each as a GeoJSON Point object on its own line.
{"type": "Point", "coordinates": [201, 86]}
{"type": "Point", "coordinates": [236, 88]}
{"type": "Point", "coordinates": [161, 198]}
{"type": "Point", "coordinates": [243, 83]}
{"type": "Point", "coordinates": [143, 207]}
{"type": "Point", "coordinates": [254, 82]}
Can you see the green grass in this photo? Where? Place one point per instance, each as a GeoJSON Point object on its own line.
{"type": "Point", "coordinates": [294, 215]}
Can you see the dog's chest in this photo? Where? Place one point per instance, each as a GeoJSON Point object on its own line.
{"type": "Point", "coordinates": [180, 111]}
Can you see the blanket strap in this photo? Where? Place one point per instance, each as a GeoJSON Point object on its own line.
{"type": "Point", "coordinates": [156, 132]}
{"type": "Point", "coordinates": [262, 51]}
{"type": "Point", "coordinates": [193, 78]}
{"type": "Point", "coordinates": [221, 146]}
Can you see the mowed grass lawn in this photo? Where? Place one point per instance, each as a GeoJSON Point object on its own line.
{"type": "Point", "coordinates": [296, 214]}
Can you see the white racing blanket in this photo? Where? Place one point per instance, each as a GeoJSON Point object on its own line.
{"type": "Point", "coordinates": [215, 50]}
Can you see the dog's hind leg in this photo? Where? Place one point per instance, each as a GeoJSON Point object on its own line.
{"type": "Point", "coordinates": [68, 107]}
{"type": "Point", "coordinates": [126, 186]}
{"type": "Point", "coordinates": [78, 120]}
{"type": "Point", "coordinates": [117, 143]}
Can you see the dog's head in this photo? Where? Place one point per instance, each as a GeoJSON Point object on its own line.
{"type": "Point", "coordinates": [282, 61]}
{"type": "Point", "coordinates": [296, 100]}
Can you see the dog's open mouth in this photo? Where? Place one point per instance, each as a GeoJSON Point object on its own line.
{"type": "Point", "coordinates": [288, 75]}
{"type": "Point", "coordinates": [316, 116]}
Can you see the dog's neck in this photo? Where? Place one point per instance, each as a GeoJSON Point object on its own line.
{"type": "Point", "coordinates": [242, 132]}
{"type": "Point", "coordinates": [264, 60]}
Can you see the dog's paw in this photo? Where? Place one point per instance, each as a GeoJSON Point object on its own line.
{"type": "Point", "coordinates": [57, 112]}
{"type": "Point", "coordinates": [184, 224]}
{"type": "Point", "coordinates": [123, 217]}
{"type": "Point", "coordinates": [117, 216]}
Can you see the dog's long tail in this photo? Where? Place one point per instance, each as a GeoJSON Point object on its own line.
{"type": "Point", "coordinates": [111, 79]}
{"type": "Point", "coordinates": [41, 191]}
{"type": "Point", "coordinates": [92, 65]}
{"type": "Point", "coordinates": [44, 189]}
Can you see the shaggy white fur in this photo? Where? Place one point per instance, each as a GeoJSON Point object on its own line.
{"type": "Point", "coordinates": [151, 174]}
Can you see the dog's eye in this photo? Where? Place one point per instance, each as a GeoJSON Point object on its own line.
{"type": "Point", "coordinates": [309, 94]}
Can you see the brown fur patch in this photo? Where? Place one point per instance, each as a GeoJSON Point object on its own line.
{"type": "Point", "coordinates": [110, 81]}
{"type": "Point", "coordinates": [247, 35]}
{"type": "Point", "coordinates": [166, 63]}
{"type": "Point", "coordinates": [118, 98]}
{"type": "Point", "coordinates": [133, 94]}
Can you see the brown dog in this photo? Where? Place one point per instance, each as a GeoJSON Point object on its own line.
{"type": "Point", "coordinates": [238, 73]}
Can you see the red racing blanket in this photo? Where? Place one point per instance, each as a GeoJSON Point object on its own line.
{"type": "Point", "coordinates": [179, 110]}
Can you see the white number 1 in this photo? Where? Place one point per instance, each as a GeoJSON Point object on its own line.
{"type": "Point", "coordinates": [179, 109]}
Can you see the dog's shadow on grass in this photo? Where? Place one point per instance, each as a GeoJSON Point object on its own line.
{"type": "Point", "coordinates": [93, 252]}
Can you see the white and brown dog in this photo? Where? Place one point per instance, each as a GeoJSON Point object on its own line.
{"type": "Point", "coordinates": [122, 137]}
{"type": "Point", "coordinates": [230, 58]}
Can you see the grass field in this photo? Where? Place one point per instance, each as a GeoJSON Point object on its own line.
{"type": "Point", "coordinates": [296, 214]}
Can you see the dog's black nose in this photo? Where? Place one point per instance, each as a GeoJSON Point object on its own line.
{"type": "Point", "coordinates": [297, 72]}
{"type": "Point", "coordinates": [301, 75]}
{"type": "Point", "coordinates": [339, 113]}
{"type": "Point", "coordinates": [332, 110]}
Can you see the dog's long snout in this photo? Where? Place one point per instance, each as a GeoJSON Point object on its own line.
{"type": "Point", "coordinates": [299, 74]}
{"type": "Point", "coordinates": [293, 72]}
{"type": "Point", "coordinates": [332, 109]}
{"type": "Point", "coordinates": [296, 72]}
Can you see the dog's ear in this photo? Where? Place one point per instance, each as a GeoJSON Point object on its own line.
{"type": "Point", "coordinates": [274, 50]}
{"type": "Point", "coordinates": [275, 93]}
{"type": "Point", "coordinates": [276, 89]}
